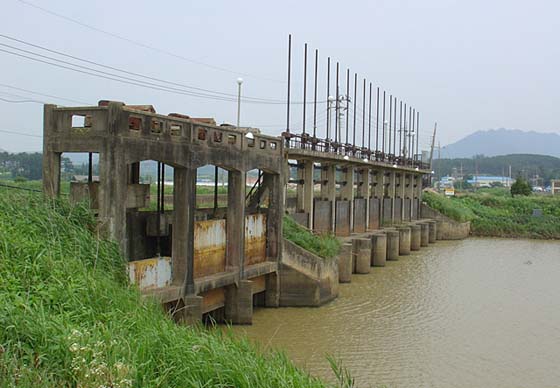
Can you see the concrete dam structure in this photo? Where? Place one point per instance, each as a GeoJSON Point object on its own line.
{"type": "Point", "coordinates": [220, 260]}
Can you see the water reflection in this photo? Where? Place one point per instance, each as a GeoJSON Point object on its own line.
{"type": "Point", "coordinates": [479, 312]}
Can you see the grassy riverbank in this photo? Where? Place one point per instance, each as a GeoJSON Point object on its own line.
{"type": "Point", "coordinates": [70, 319]}
{"type": "Point", "coordinates": [494, 213]}
{"type": "Point", "coordinates": [324, 245]}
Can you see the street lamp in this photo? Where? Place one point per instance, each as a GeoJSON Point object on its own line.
{"type": "Point", "coordinates": [239, 83]}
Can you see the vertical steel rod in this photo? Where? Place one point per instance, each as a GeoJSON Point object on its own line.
{"type": "Point", "coordinates": [328, 94]}
{"type": "Point", "coordinates": [418, 135]}
{"type": "Point", "coordinates": [304, 85]}
{"type": "Point", "coordinates": [289, 81]}
{"type": "Point", "coordinates": [355, 96]}
{"type": "Point", "coordinates": [400, 129]}
{"type": "Point", "coordinates": [364, 116]}
{"type": "Point", "coordinates": [395, 128]}
{"type": "Point", "coordinates": [369, 120]}
{"type": "Point", "coordinates": [337, 110]}
{"type": "Point", "coordinates": [315, 95]}
{"type": "Point", "coordinates": [390, 122]}
{"type": "Point", "coordinates": [347, 102]}
{"type": "Point", "coordinates": [383, 132]}
{"type": "Point", "coordinates": [377, 123]}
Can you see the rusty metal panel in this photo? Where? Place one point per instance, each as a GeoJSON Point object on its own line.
{"type": "Point", "coordinates": [212, 299]}
{"type": "Point", "coordinates": [322, 216]}
{"type": "Point", "coordinates": [359, 215]}
{"type": "Point", "coordinates": [255, 238]}
{"type": "Point", "coordinates": [374, 213]}
{"type": "Point", "coordinates": [209, 247]}
{"type": "Point", "coordinates": [342, 220]}
{"type": "Point", "coordinates": [397, 213]}
{"type": "Point", "coordinates": [150, 273]}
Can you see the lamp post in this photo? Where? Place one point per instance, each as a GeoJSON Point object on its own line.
{"type": "Point", "coordinates": [239, 83]}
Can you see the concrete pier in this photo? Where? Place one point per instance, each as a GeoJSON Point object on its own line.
{"type": "Point", "coordinates": [361, 250]}
{"type": "Point", "coordinates": [415, 237]}
{"type": "Point", "coordinates": [392, 244]}
{"type": "Point", "coordinates": [379, 249]}
{"type": "Point", "coordinates": [432, 232]}
{"type": "Point", "coordinates": [345, 263]}
{"type": "Point", "coordinates": [424, 234]}
{"type": "Point", "coordinates": [404, 240]}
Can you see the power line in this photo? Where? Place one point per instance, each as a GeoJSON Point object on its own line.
{"type": "Point", "coordinates": [43, 94]}
{"type": "Point", "coordinates": [20, 101]}
{"type": "Point", "coordinates": [144, 45]}
{"type": "Point", "coordinates": [20, 133]}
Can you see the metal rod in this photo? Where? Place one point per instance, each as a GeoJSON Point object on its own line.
{"type": "Point", "coordinates": [418, 135]}
{"type": "Point", "coordinates": [406, 134]}
{"type": "Point", "coordinates": [347, 102]}
{"type": "Point", "coordinates": [328, 94]}
{"type": "Point", "coordinates": [410, 134]}
{"type": "Point", "coordinates": [377, 123]}
{"type": "Point", "coordinates": [400, 128]}
{"type": "Point", "coordinates": [383, 134]}
{"type": "Point", "coordinates": [289, 80]}
{"type": "Point", "coordinates": [355, 96]}
{"type": "Point", "coordinates": [90, 167]}
{"type": "Point", "coordinates": [315, 95]}
{"type": "Point", "coordinates": [395, 128]}
{"type": "Point", "coordinates": [304, 85]}
{"type": "Point", "coordinates": [390, 122]}
{"type": "Point", "coordinates": [369, 120]}
{"type": "Point", "coordinates": [337, 110]}
{"type": "Point", "coordinates": [364, 115]}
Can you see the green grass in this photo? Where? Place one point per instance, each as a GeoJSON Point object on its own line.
{"type": "Point", "coordinates": [494, 214]}
{"type": "Point", "coordinates": [68, 317]}
{"type": "Point", "coordinates": [323, 245]}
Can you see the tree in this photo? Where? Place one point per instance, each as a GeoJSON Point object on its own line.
{"type": "Point", "coordinates": [520, 187]}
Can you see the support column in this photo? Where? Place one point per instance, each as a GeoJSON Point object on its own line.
{"type": "Point", "coordinates": [400, 190]}
{"type": "Point", "coordinates": [274, 217]}
{"type": "Point", "coordinates": [345, 206]}
{"type": "Point", "coordinates": [388, 216]}
{"type": "Point", "coordinates": [182, 243]}
{"type": "Point", "coordinates": [239, 303]}
{"type": "Point", "coordinates": [308, 188]}
{"type": "Point", "coordinates": [51, 160]}
{"type": "Point", "coordinates": [300, 186]}
{"type": "Point", "coordinates": [361, 201]}
{"type": "Point", "coordinates": [113, 180]}
{"type": "Point", "coordinates": [328, 199]}
{"type": "Point", "coordinates": [235, 222]}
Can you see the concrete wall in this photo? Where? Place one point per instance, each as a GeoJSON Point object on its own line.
{"type": "Point", "coordinates": [306, 279]}
{"type": "Point", "coordinates": [447, 229]}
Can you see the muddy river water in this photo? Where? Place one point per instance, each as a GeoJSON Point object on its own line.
{"type": "Point", "coordinates": [472, 313]}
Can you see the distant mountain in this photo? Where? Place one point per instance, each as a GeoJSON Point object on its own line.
{"type": "Point", "coordinates": [503, 141]}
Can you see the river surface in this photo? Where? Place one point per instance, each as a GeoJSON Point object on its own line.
{"type": "Point", "coordinates": [472, 313]}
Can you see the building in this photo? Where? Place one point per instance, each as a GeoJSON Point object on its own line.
{"type": "Point", "coordinates": [488, 181]}
{"type": "Point", "coordinates": [555, 186]}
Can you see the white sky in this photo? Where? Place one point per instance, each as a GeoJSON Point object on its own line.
{"type": "Point", "coordinates": [468, 65]}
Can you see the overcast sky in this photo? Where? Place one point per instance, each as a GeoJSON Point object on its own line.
{"type": "Point", "coordinates": [468, 65]}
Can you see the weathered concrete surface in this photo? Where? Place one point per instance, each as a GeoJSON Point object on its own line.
{"type": "Point", "coordinates": [342, 220]}
{"type": "Point", "coordinates": [404, 240]}
{"type": "Point", "coordinates": [432, 231]}
{"type": "Point", "coordinates": [239, 303]}
{"type": "Point", "coordinates": [415, 237]}
{"type": "Point", "coordinates": [387, 211]}
{"type": "Point", "coordinates": [397, 210]}
{"type": "Point", "coordinates": [361, 250]}
{"type": "Point", "coordinates": [424, 233]}
{"type": "Point", "coordinates": [447, 229]}
{"type": "Point", "coordinates": [345, 263]}
{"type": "Point", "coordinates": [359, 215]}
{"type": "Point", "coordinates": [306, 279]}
{"type": "Point", "coordinates": [374, 214]}
{"type": "Point", "coordinates": [379, 249]}
{"type": "Point", "coordinates": [322, 216]}
{"type": "Point", "coordinates": [392, 244]}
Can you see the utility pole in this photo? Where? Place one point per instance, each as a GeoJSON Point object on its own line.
{"type": "Point", "coordinates": [433, 144]}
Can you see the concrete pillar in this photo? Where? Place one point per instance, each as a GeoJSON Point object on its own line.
{"type": "Point", "coordinates": [272, 293]}
{"type": "Point", "coordinates": [113, 181]}
{"type": "Point", "coordinates": [235, 223]}
{"type": "Point", "coordinates": [379, 249]}
{"type": "Point", "coordinates": [424, 234]}
{"type": "Point", "coordinates": [275, 216]}
{"type": "Point", "coordinates": [361, 201]}
{"type": "Point", "coordinates": [415, 237]}
{"type": "Point", "coordinates": [239, 303]}
{"type": "Point", "coordinates": [432, 231]}
{"type": "Point", "coordinates": [308, 188]}
{"type": "Point", "coordinates": [392, 244]}
{"type": "Point", "coordinates": [400, 192]}
{"type": "Point", "coordinates": [390, 184]}
{"type": "Point", "coordinates": [439, 230]}
{"type": "Point", "coordinates": [404, 240]}
{"type": "Point", "coordinates": [345, 208]}
{"type": "Point", "coordinates": [345, 263]}
{"type": "Point", "coordinates": [300, 187]}
{"type": "Point", "coordinates": [191, 311]}
{"type": "Point", "coordinates": [361, 249]}
{"type": "Point", "coordinates": [328, 189]}
{"type": "Point", "coordinates": [182, 242]}
{"type": "Point", "coordinates": [51, 159]}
